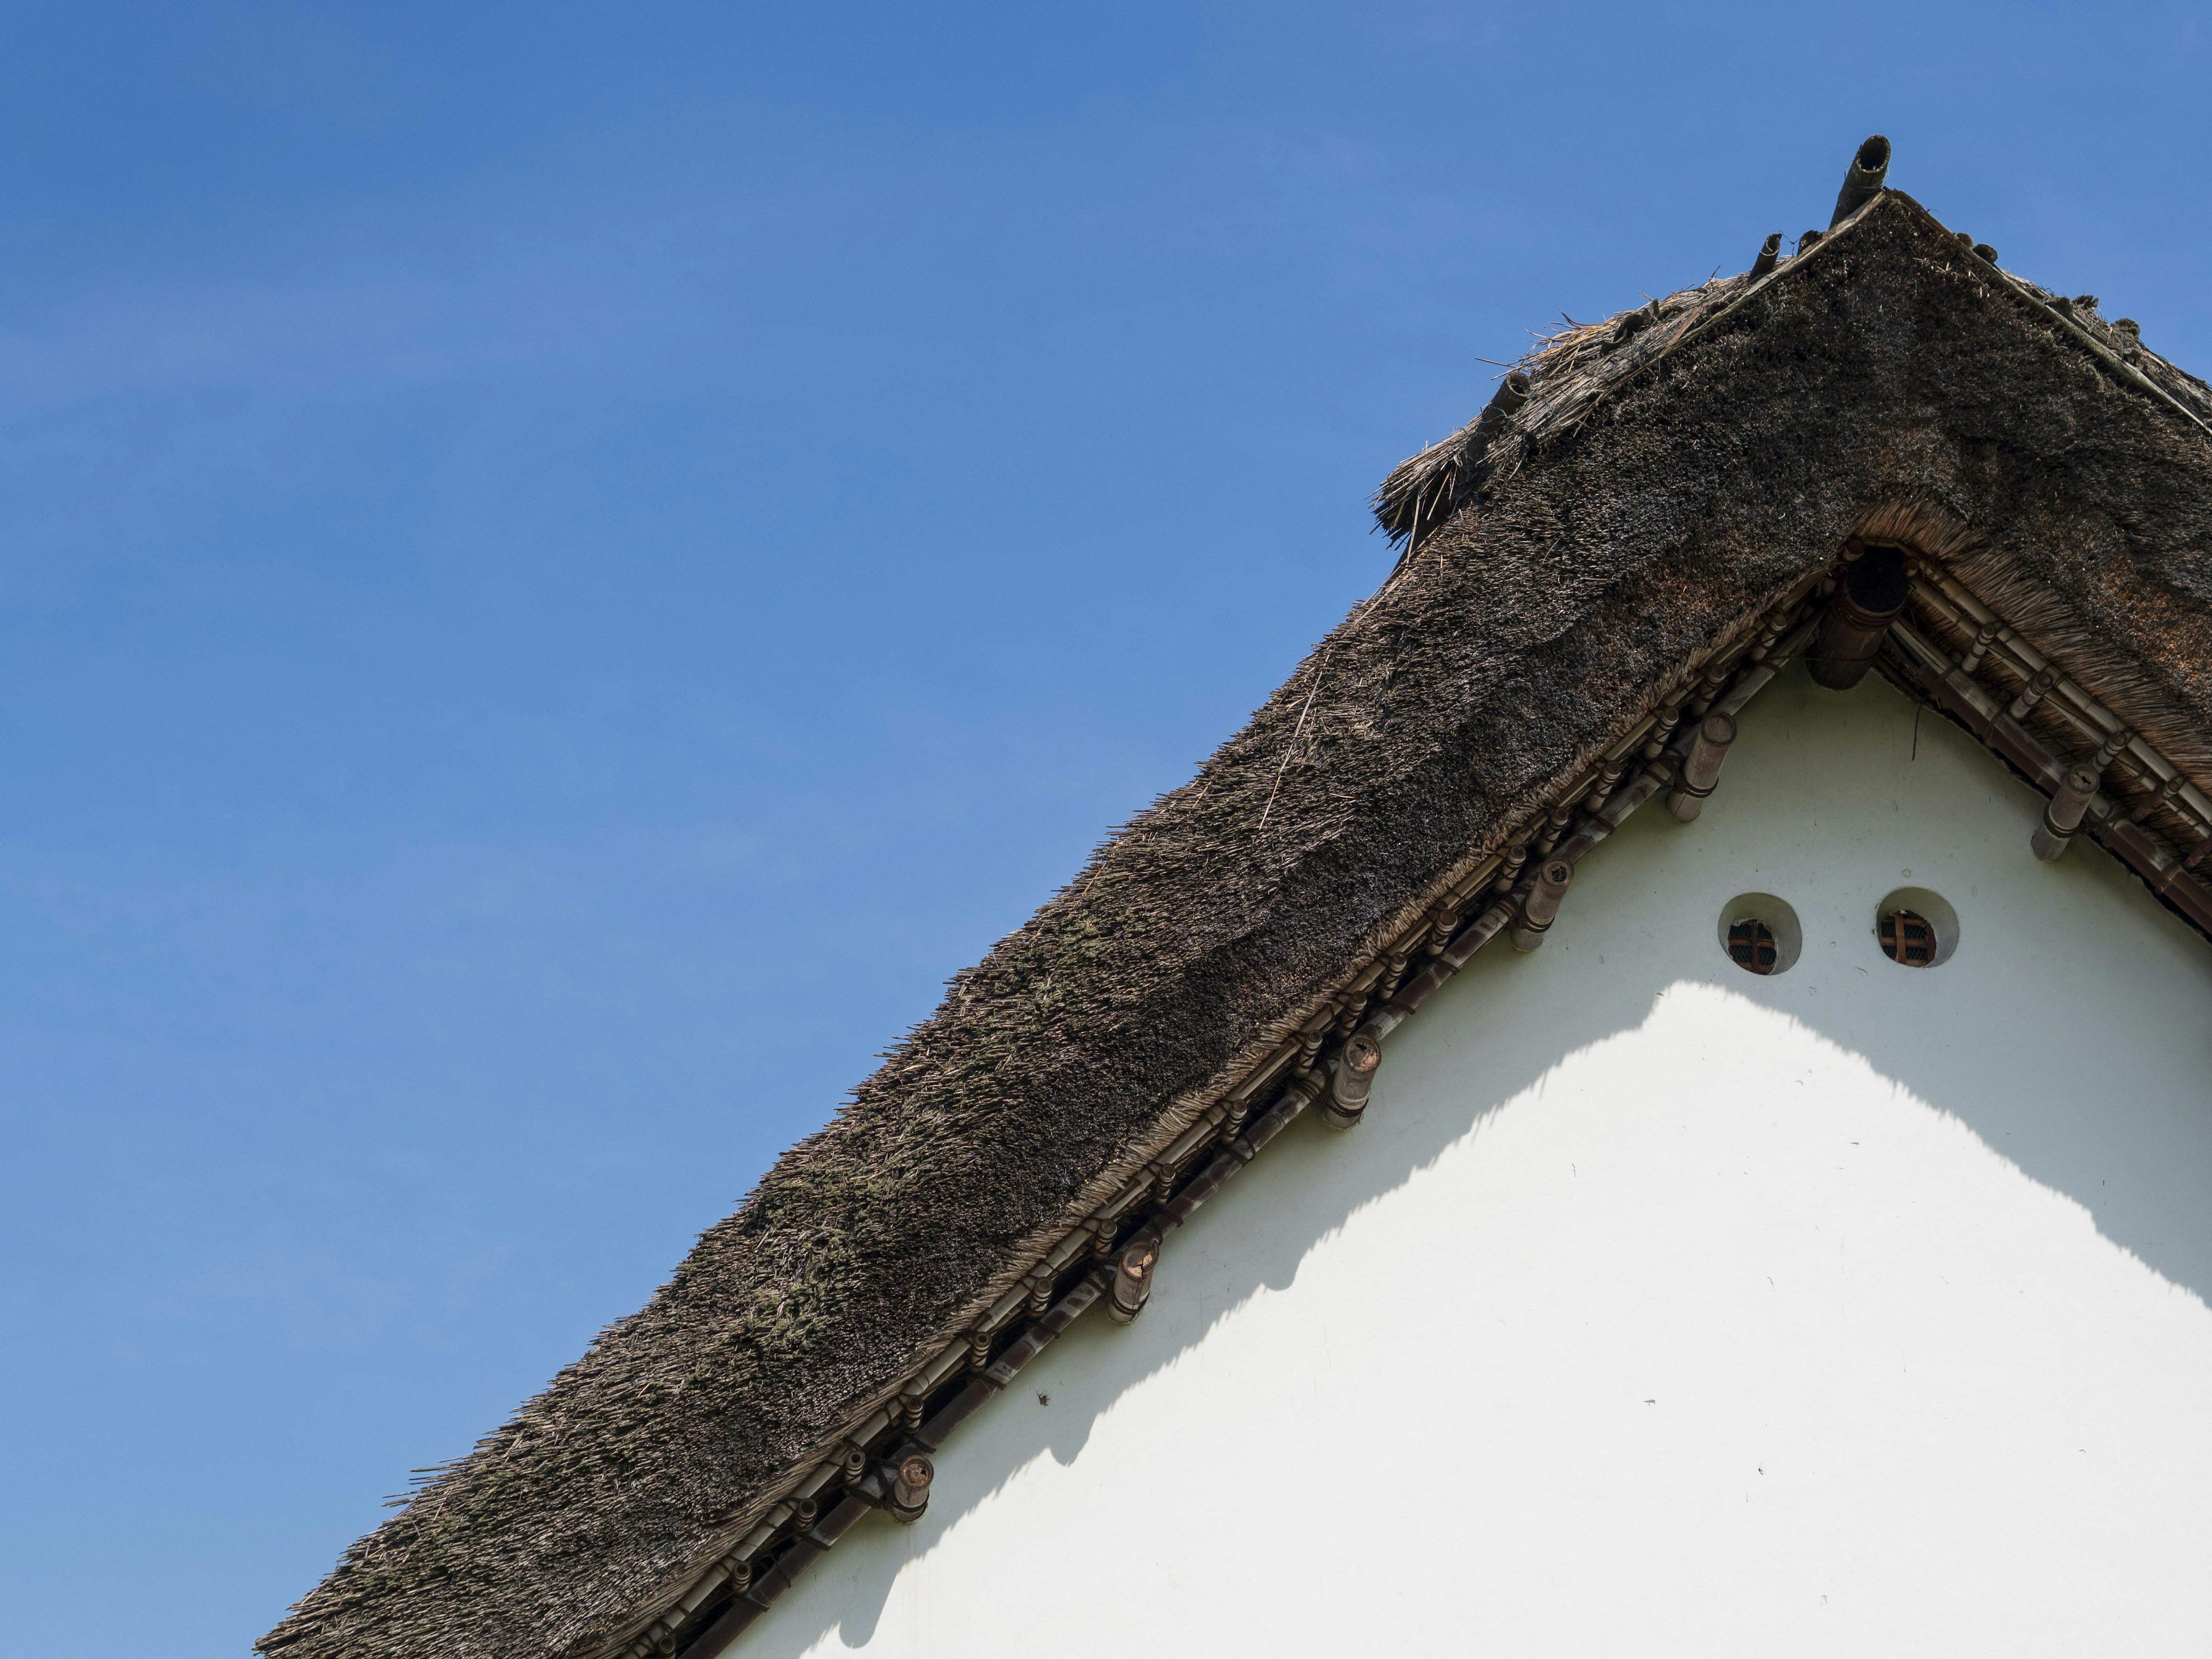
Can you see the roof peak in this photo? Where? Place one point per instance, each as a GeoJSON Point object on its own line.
{"type": "Point", "coordinates": [1558, 381]}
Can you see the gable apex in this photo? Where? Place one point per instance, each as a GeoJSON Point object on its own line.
{"type": "Point", "coordinates": [1663, 519]}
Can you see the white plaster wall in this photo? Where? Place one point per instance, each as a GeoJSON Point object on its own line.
{"type": "Point", "coordinates": [1660, 1309]}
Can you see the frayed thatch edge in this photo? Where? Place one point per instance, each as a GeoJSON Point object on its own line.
{"type": "Point", "coordinates": [2049, 623]}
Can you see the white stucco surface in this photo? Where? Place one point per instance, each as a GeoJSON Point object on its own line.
{"type": "Point", "coordinates": [1659, 1309]}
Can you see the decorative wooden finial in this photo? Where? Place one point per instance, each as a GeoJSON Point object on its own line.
{"type": "Point", "coordinates": [1555, 825]}
{"type": "Point", "coordinates": [908, 1481]}
{"type": "Point", "coordinates": [1509, 868]}
{"type": "Point", "coordinates": [1608, 775]}
{"type": "Point", "coordinates": [1701, 767]}
{"type": "Point", "coordinates": [1984, 637]}
{"type": "Point", "coordinates": [2038, 687]}
{"type": "Point", "coordinates": [1351, 1082]}
{"type": "Point", "coordinates": [1444, 922]}
{"type": "Point", "coordinates": [2065, 813]}
{"type": "Point", "coordinates": [1232, 1125]}
{"type": "Point", "coordinates": [1541, 908]}
{"type": "Point", "coordinates": [2110, 749]}
{"type": "Point", "coordinates": [1709, 688]}
{"type": "Point", "coordinates": [2161, 793]}
{"type": "Point", "coordinates": [1132, 1279]}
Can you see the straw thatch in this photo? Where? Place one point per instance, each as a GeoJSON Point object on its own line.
{"type": "Point", "coordinates": [1663, 482]}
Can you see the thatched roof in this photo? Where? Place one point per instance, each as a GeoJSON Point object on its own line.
{"type": "Point", "coordinates": [1673, 475]}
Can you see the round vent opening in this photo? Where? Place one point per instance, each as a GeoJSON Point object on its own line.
{"type": "Point", "coordinates": [1916, 928]}
{"type": "Point", "coordinates": [1760, 934]}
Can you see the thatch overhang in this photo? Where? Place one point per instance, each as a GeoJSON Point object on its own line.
{"type": "Point", "coordinates": [1666, 508]}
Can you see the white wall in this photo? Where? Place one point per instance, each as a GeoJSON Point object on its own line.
{"type": "Point", "coordinates": [1660, 1309]}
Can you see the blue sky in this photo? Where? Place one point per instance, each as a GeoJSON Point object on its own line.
{"type": "Point", "coordinates": [562, 568]}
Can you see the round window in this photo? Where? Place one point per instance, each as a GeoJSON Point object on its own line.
{"type": "Point", "coordinates": [1916, 928]}
{"type": "Point", "coordinates": [1751, 946]}
{"type": "Point", "coordinates": [1760, 934]}
{"type": "Point", "coordinates": [1907, 937]}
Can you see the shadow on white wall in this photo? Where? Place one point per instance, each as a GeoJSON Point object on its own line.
{"type": "Point", "coordinates": [2064, 1044]}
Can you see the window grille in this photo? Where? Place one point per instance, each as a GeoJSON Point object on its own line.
{"type": "Point", "coordinates": [1750, 947]}
{"type": "Point", "coordinates": [1908, 937]}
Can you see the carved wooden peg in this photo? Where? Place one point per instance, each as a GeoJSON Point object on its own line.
{"type": "Point", "coordinates": [2161, 793]}
{"type": "Point", "coordinates": [906, 1480]}
{"type": "Point", "coordinates": [1541, 908]}
{"type": "Point", "coordinates": [2033, 692]}
{"type": "Point", "coordinates": [1555, 826]}
{"type": "Point", "coordinates": [1984, 637]}
{"type": "Point", "coordinates": [910, 1404]}
{"type": "Point", "coordinates": [1352, 1081]}
{"type": "Point", "coordinates": [1233, 1124]}
{"type": "Point", "coordinates": [1132, 1279]}
{"type": "Point", "coordinates": [1709, 688]}
{"type": "Point", "coordinates": [1701, 767]}
{"type": "Point", "coordinates": [1509, 868]}
{"type": "Point", "coordinates": [2062, 818]}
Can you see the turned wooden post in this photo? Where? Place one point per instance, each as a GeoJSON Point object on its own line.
{"type": "Point", "coordinates": [907, 1481]}
{"type": "Point", "coordinates": [1701, 767]}
{"type": "Point", "coordinates": [1541, 908]}
{"type": "Point", "coordinates": [1351, 1082]}
{"type": "Point", "coordinates": [1132, 1279]}
{"type": "Point", "coordinates": [2062, 818]}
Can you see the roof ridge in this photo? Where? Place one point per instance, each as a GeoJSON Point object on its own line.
{"type": "Point", "coordinates": [1567, 374]}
